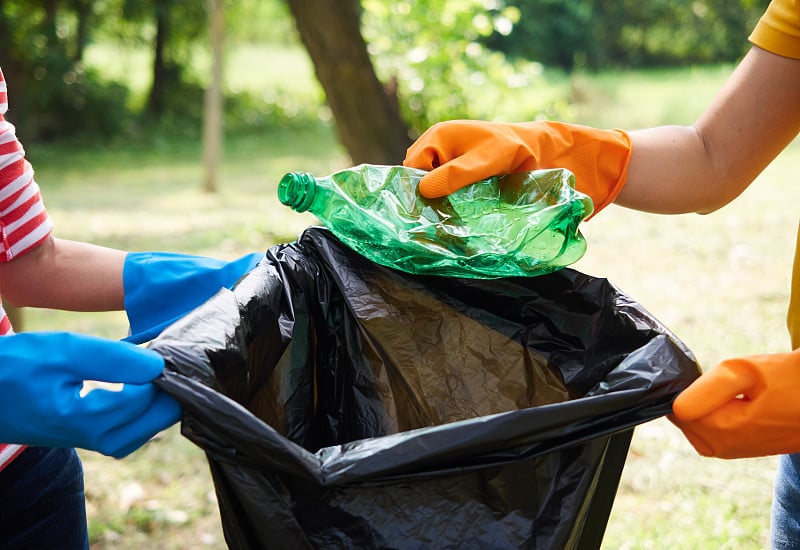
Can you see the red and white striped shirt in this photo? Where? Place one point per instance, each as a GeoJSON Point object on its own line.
{"type": "Point", "coordinates": [24, 223]}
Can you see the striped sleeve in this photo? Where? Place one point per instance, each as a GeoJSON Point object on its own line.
{"type": "Point", "coordinates": [8, 453]}
{"type": "Point", "coordinates": [24, 223]}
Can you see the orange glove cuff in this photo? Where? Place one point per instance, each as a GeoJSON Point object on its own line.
{"type": "Point", "coordinates": [598, 159]}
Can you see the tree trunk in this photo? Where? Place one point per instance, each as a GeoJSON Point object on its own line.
{"type": "Point", "coordinates": [50, 19]}
{"type": "Point", "coordinates": [156, 100]}
{"type": "Point", "coordinates": [83, 11]}
{"type": "Point", "coordinates": [212, 118]}
{"type": "Point", "coordinates": [367, 116]}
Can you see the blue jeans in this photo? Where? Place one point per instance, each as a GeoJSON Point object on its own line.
{"type": "Point", "coordinates": [43, 504]}
{"type": "Point", "coordinates": [785, 527]}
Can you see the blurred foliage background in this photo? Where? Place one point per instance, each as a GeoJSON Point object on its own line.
{"type": "Point", "coordinates": [443, 59]}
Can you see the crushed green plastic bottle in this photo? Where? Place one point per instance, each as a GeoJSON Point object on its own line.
{"type": "Point", "coordinates": [520, 224]}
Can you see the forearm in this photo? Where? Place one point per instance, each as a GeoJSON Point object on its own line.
{"type": "Point", "coordinates": [699, 168]}
{"type": "Point", "coordinates": [68, 275]}
{"type": "Point", "coordinates": [672, 171]}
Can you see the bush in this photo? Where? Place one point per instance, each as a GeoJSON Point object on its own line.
{"type": "Point", "coordinates": [595, 34]}
{"type": "Point", "coordinates": [61, 100]}
{"type": "Point", "coordinates": [248, 112]}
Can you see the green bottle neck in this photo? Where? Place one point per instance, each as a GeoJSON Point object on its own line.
{"type": "Point", "coordinates": [297, 189]}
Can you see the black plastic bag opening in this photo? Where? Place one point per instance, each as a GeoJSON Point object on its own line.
{"type": "Point", "coordinates": [342, 404]}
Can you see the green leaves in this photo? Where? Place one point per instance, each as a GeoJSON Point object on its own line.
{"type": "Point", "coordinates": [436, 49]}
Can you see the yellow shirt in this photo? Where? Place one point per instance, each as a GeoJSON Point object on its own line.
{"type": "Point", "coordinates": [793, 315]}
{"type": "Point", "coordinates": [778, 32]}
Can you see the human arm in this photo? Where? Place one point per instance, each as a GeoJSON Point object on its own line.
{"type": "Point", "coordinates": [668, 169]}
{"type": "Point", "coordinates": [702, 167]}
{"type": "Point", "coordinates": [42, 374]}
{"type": "Point", "coordinates": [154, 288]}
{"type": "Point", "coordinates": [747, 406]}
{"type": "Point", "coordinates": [67, 275]}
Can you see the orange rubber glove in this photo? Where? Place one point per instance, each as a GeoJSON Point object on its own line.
{"type": "Point", "coordinates": [744, 407]}
{"type": "Point", "coordinates": [461, 152]}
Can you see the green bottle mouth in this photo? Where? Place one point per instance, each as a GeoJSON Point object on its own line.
{"type": "Point", "coordinates": [296, 190]}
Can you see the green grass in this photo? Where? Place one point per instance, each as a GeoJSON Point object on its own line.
{"type": "Point", "coordinates": [636, 99]}
{"type": "Point", "coordinates": [720, 282]}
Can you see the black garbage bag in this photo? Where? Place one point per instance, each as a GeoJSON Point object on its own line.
{"type": "Point", "coordinates": [342, 404]}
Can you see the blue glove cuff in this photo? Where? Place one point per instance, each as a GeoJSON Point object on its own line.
{"type": "Point", "coordinates": [162, 287]}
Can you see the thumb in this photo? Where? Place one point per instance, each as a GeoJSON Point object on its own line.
{"type": "Point", "coordinates": [440, 182]}
{"type": "Point", "coordinates": [720, 385]}
{"type": "Point", "coordinates": [449, 169]}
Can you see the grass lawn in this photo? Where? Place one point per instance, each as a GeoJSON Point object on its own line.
{"type": "Point", "coordinates": [720, 282]}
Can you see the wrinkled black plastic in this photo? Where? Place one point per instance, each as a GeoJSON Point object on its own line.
{"type": "Point", "coordinates": [347, 405]}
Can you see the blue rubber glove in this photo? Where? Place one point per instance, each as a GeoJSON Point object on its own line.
{"type": "Point", "coordinates": [162, 287]}
{"type": "Point", "coordinates": [41, 376]}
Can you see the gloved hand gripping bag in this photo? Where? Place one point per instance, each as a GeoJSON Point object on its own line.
{"type": "Point", "coordinates": [342, 404]}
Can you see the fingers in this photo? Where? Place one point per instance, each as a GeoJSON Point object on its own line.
{"type": "Point", "coordinates": [698, 442]}
{"type": "Point", "coordinates": [436, 183]}
{"type": "Point", "coordinates": [74, 358]}
{"type": "Point", "coordinates": [714, 389]}
{"type": "Point", "coordinates": [436, 145]}
{"type": "Point", "coordinates": [459, 153]}
{"type": "Point", "coordinates": [743, 407]}
{"type": "Point", "coordinates": [54, 412]}
{"type": "Point", "coordinates": [430, 156]}
{"type": "Point", "coordinates": [472, 166]}
{"type": "Point", "coordinates": [729, 431]}
{"type": "Point", "coordinates": [112, 361]}
{"type": "Point", "coordinates": [116, 423]}
{"type": "Point", "coordinates": [163, 413]}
